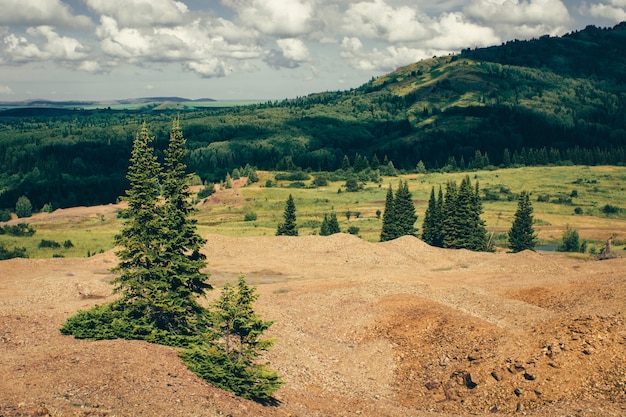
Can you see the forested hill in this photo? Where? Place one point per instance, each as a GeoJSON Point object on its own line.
{"type": "Point", "coordinates": [547, 100]}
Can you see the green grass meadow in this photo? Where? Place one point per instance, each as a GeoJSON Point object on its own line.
{"type": "Point", "coordinates": [574, 196]}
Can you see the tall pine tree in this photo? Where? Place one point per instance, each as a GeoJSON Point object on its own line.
{"type": "Point", "coordinates": [289, 227]}
{"type": "Point", "coordinates": [431, 233]}
{"type": "Point", "coordinates": [404, 211]}
{"type": "Point", "coordinates": [522, 234]}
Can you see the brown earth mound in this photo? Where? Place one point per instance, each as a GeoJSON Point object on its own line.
{"type": "Point", "coordinates": [371, 329]}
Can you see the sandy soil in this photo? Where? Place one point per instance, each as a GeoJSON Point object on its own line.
{"type": "Point", "coordinates": [369, 329]}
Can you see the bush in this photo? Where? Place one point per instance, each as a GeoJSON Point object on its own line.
{"type": "Point", "coordinates": [249, 217]}
{"type": "Point", "coordinates": [49, 244]}
{"type": "Point", "coordinates": [293, 176]}
{"type": "Point", "coordinates": [206, 191]}
{"type": "Point", "coordinates": [5, 215]}
{"type": "Point", "coordinates": [321, 180]}
{"type": "Point", "coordinates": [353, 230]}
{"type": "Point", "coordinates": [610, 209]}
{"type": "Point", "coordinates": [18, 230]}
{"type": "Point", "coordinates": [15, 253]}
{"type": "Point", "coordinates": [571, 241]}
{"type": "Point", "coordinates": [68, 244]}
{"type": "Point", "coordinates": [23, 207]}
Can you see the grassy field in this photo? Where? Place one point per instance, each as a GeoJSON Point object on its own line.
{"type": "Point", "coordinates": [570, 196]}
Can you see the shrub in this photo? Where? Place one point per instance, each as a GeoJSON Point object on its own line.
{"type": "Point", "coordinates": [321, 180]}
{"type": "Point", "coordinates": [23, 207]}
{"type": "Point", "coordinates": [249, 217]}
{"type": "Point", "coordinates": [49, 244]}
{"type": "Point", "coordinates": [610, 209]}
{"type": "Point", "coordinates": [206, 191]}
{"type": "Point", "coordinates": [578, 210]}
{"type": "Point", "coordinates": [353, 230]}
{"type": "Point", "coordinates": [5, 215]}
{"type": "Point", "coordinates": [68, 244]}
{"type": "Point", "coordinates": [570, 241]}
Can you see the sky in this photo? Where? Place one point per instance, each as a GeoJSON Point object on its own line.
{"type": "Point", "coordinates": [253, 49]}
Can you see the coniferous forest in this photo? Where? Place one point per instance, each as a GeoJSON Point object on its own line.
{"type": "Point", "coordinates": [552, 100]}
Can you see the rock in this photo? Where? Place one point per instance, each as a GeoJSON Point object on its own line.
{"type": "Point", "coordinates": [529, 377]}
{"type": "Point", "coordinates": [518, 391]}
{"type": "Point", "coordinates": [496, 376]}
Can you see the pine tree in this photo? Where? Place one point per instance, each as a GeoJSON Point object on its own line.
{"type": "Point", "coordinates": [462, 226]}
{"type": "Point", "coordinates": [182, 243]}
{"type": "Point", "coordinates": [522, 235]}
{"type": "Point", "coordinates": [333, 224]}
{"type": "Point", "coordinates": [432, 221]}
{"type": "Point", "coordinates": [230, 361]}
{"type": "Point", "coordinates": [289, 227]}
{"type": "Point", "coordinates": [404, 211]}
{"type": "Point", "coordinates": [388, 231]}
{"type": "Point", "coordinates": [141, 272]}
{"type": "Point", "coordinates": [324, 230]}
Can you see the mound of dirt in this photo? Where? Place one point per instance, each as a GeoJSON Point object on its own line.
{"type": "Point", "coordinates": [370, 329]}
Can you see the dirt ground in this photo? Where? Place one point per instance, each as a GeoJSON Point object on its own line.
{"type": "Point", "coordinates": [362, 329]}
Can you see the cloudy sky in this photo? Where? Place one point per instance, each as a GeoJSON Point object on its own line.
{"type": "Point", "coordinates": [252, 49]}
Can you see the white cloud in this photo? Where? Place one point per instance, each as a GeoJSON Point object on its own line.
{"type": "Point", "coordinates": [454, 32]}
{"type": "Point", "coordinates": [5, 89]}
{"type": "Point", "coordinates": [283, 18]}
{"type": "Point", "coordinates": [613, 10]}
{"type": "Point", "coordinates": [52, 47]}
{"type": "Point", "coordinates": [40, 12]}
{"type": "Point", "coordinates": [294, 49]}
{"type": "Point", "coordinates": [141, 13]}
{"type": "Point", "coordinates": [522, 18]}
{"type": "Point", "coordinates": [378, 20]}
{"type": "Point", "coordinates": [390, 58]}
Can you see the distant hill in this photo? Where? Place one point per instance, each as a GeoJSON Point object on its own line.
{"type": "Point", "coordinates": [91, 103]}
{"type": "Point", "coordinates": [551, 100]}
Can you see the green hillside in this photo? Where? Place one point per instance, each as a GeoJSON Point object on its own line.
{"type": "Point", "coordinates": [545, 101]}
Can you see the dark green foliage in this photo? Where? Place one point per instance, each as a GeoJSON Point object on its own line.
{"type": "Point", "coordinates": [5, 215]}
{"type": "Point", "coordinates": [522, 234]}
{"type": "Point", "coordinates": [44, 243]}
{"type": "Point", "coordinates": [570, 241]}
{"type": "Point", "coordinates": [23, 207]}
{"type": "Point", "coordinates": [352, 185]}
{"type": "Point", "coordinates": [206, 191]}
{"type": "Point", "coordinates": [389, 230]}
{"type": "Point", "coordinates": [433, 218]}
{"type": "Point", "coordinates": [330, 225]}
{"type": "Point", "coordinates": [15, 253]}
{"type": "Point", "coordinates": [462, 226]}
{"type": "Point", "coordinates": [230, 361]}
{"type": "Point", "coordinates": [399, 217]}
{"type": "Point", "coordinates": [289, 227]}
{"type": "Point", "coordinates": [20, 229]}
{"type": "Point", "coordinates": [610, 209]}
{"type": "Point", "coordinates": [68, 244]}
{"type": "Point", "coordinates": [404, 211]}
{"type": "Point", "coordinates": [321, 180]}
{"type": "Point", "coordinates": [249, 217]}
{"type": "Point", "coordinates": [354, 230]}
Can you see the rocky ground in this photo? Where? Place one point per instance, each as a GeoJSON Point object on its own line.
{"type": "Point", "coordinates": [364, 329]}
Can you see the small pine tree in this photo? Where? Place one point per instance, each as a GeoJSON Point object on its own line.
{"type": "Point", "coordinates": [324, 230]}
{"type": "Point", "coordinates": [388, 231]}
{"type": "Point", "coordinates": [289, 227]}
{"type": "Point", "coordinates": [522, 235]}
{"type": "Point", "coordinates": [230, 361]}
{"type": "Point", "coordinates": [333, 224]}
{"type": "Point", "coordinates": [432, 221]}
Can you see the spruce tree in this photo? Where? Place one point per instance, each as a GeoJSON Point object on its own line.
{"type": "Point", "coordinates": [289, 227]}
{"type": "Point", "coordinates": [522, 235]}
{"type": "Point", "coordinates": [432, 221]}
{"type": "Point", "coordinates": [462, 226]}
{"type": "Point", "coordinates": [388, 231]}
{"type": "Point", "coordinates": [141, 271]}
{"type": "Point", "coordinates": [230, 361]}
{"type": "Point", "coordinates": [333, 224]}
{"type": "Point", "coordinates": [404, 211]}
{"type": "Point", "coordinates": [182, 243]}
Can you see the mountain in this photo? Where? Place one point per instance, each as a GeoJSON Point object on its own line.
{"type": "Point", "coordinates": [551, 100]}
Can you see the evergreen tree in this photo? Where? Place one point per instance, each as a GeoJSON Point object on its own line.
{"type": "Point", "coordinates": [522, 235]}
{"type": "Point", "coordinates": [231, 362]}
{"type": "Point", "coordinates": [333, 224]}
{"type": "Point", "coordinates": [388, 231]}
{"type": "Point", "coordinates": [324, 231]}
{"type": "Point", "coordinates": [182, 243]}
{"type": "Point", "coordinates": [289, 227]}
{"type": "Point", "coordinates": [462, 226]}
{"type": "Point", "coordinates": [432, 221]}
{"type": "Point", "coordinates": [404, 209]}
